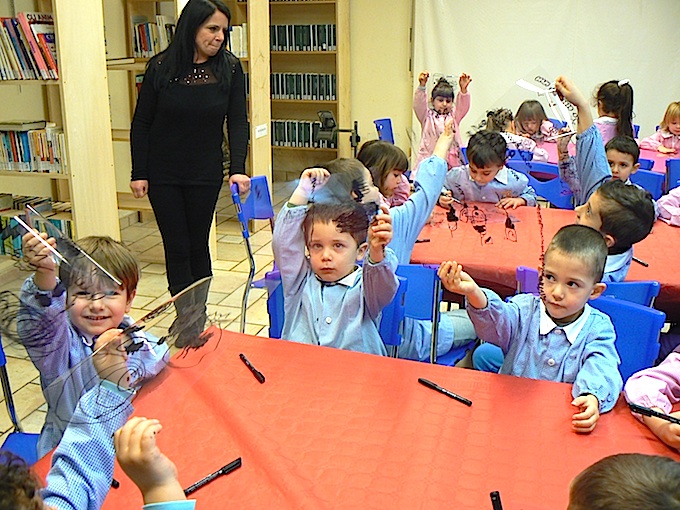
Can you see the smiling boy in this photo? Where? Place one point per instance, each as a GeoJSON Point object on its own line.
{"type": "Point", "coordinates": [328, 299]}
{"type": "Point", "coordinates": [557, 336]}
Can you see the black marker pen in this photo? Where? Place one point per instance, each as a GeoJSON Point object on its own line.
{"type": "Point", "coordinates": [225, 470]}
{"type": "Point", "coordinates": [446, 392]}
{"type": "Point", "coordinates": [258, 375]}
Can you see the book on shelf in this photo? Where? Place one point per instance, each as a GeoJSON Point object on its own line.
{"type": "Point", "coordinates": [238, 40]}
{"type": "Point", "coordinates": [302, 37]}
{"type": "Point", "coordinates": [303, 86]}
{"type": "Point", "coordinates": [150, 38]}
{"type": "Point", "coordinates": [21, 125]}
{"type": "Point", "coordinates": [120, 61]}
{"type": "Point", "coordinates": [41, 27]}
{"type": "Point", "coordinates": [33, 45]}
{"type": "Point", "coordinates": [39, 150]}
{"type": "Point", "coordinates": [22, 56]}
{"type": "Point", "coordinates": [298, 133]}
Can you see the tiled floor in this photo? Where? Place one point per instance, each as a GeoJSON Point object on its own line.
{"type": "Point", "coordinates": [230, 273]}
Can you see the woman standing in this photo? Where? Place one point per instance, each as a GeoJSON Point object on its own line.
{"type": "Point", "coordinates": [177, 129]}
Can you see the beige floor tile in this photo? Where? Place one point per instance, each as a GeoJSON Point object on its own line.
{"type": "Point", "coordinates": [262, 262]}
{"type": "Point", "coordinates": [34, 422]}
{"type": "Point", "coordinates": [224, 265]}
{"type": "Point", "coordinates": [154, 254]}
{"type": "Point", "coordinates": [26, 400]}
{"type": "Point", "coordinates": [21, 372]}
{"type": "Point", "coordinates": [154, 269]}
{"type": "Point", "coordinates": [152, 285]}
{"type": "Point", "coordinates": [231, 252]}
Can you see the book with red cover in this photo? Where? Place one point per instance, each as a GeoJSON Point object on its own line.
{"type": "Point", "coordinates": [33, 43]}
{"type": "Point", "coordinates": [41, 25]}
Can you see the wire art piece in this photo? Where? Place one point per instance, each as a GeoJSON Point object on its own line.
{"type": "Point", "coordinates": [41, 324]}
{"type": "Point", "coordinates": [562, 110]}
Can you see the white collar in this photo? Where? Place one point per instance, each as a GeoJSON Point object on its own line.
{"type": "Point", "coordinates": [606, 120]}
{"type": "Point", "coordinates": [666, 134]}
{"type": "Point", "coordinates": [348, 281]}
{"type": "Point", "coordinates": [571, 331]}
{"type": "Point", "coordinates": [616, 262]}
{"type": "Point", "coordinates": [501, 176]}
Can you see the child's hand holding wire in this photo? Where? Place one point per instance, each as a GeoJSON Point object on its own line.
{"type": "Point", "coordinates": [311, 180]}
{"type": "Point", "coordinates": [379, 235]}
{"type": "Point", "coordinates": [423, 77]}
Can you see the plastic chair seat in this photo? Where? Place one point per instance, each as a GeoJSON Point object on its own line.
{"type": "Point", "coordinates": [651, 181]}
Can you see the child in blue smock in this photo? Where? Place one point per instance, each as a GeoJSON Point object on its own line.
{"type": "Point", "coordinates": [558, 336]}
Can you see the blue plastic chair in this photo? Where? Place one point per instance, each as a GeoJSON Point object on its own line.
{"type": "Point", "coordinates": [637, 332]}
{"type": "Point", "coordinates": [555, 191]}
{"type": "Point", "coordinates": [651, 181]}
{"type": "Point", "coordinates": [392, 318]}
{"type": "Point", "coordinates": [519, 154]}
{"type": "Point", "coordinates": [538, 169]}
{"type": "Point", "coordinates": [557, 123]}
{"type": "Point", "coordinates": [672, 174]}
{"type": "Point", "coordinates": [258, 206]}
{"type": "Point", "coordinates": [645, 164]}
{"type": "Point", "coordinates": [527, 280]}
{"type": "Point", "coordinates": [20, 443]}
{"type": "Point", "coordinates": [384, 127]}
{"type": "Point", "coordinates": [636, 130]}
{"type": "Point", "coordinates": [463, 150]}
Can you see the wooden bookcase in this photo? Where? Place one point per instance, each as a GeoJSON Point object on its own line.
{"type": "Point", "coordinates": [288, 162]}
{"type": "Point", "coordinates": [78, 103]}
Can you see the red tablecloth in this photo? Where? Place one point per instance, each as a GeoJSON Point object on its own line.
{"type": "Point", "coordinates": [333, 429]}
{"type": "Point", "coordinates": [492, 259]}
{"type": "Point", "coordinates": [658, 158]}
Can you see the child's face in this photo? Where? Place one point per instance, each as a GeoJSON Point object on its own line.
{"type": "Point", "coordinates": [568, 284]}
{"type": "Point", "coordinates": [674, 126]}
{"type": "Point", "coordinates": [98, 308]}
{"type": "Point", "coordinates": [589, 214]}
{"type": "Point", "coordinates": [442, 105]}
{"type": "Point", "coordinates": [391, 182]}
{"type": "Point", "coordinates": [530, 126]}
{"type": "Point", "coordinates": [484, 175]}
{"type": "Point", "coordinates": [621, 164]}
{"type": "Point", "coordinates": [332, 254]}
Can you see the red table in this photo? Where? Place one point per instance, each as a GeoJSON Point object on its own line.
{"type": "Point", "coordinates": [658, 158]}
{"type": "Point", "coordinates": [332, 429]}
{"type": "Point", "coordinates": [493, 263]}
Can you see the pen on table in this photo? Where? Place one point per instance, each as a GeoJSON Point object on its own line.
{"type": "Point", "coordinates": [641, 262]}
{"type": "Point", "coordinates": [422, 240]}
{"type": "Point", "coordinates": [225, 470]}
{"type": "Point", "coordinates": [496, 500]}
{"type": "Point", "coordinates": [646, 411]}
{"type": "Point", "coordinates": [446, 392]}
{"type": "Point", "coordinates": [258, 375]}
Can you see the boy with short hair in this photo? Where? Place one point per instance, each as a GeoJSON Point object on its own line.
{"type": "Point", "coordinates": [557, 336]}
{"type": "Point", "coordinates": [623, 156]}
{"type": "Point", "coordinates": [600, 209]}
{"type": "Point", "coordinates": [329, 299]}
{"type": "Point", "coordinates": [486, 178]}
{"type": "Point", "coordinates": [61, 318]}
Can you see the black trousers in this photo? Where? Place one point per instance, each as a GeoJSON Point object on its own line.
{"type": "Point", "coordinates": [184, 215]}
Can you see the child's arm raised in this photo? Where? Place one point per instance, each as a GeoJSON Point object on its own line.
{"type": "Point", "coordinates": [312, 179]}
{"type": "Point", "coordinates": [462, 101]}
{"type": "Point", "coordinates": [456, 280]}
{"type": "Point", "coordinates": [420, 97]}
{"type": "Point", "coordinates": [566, 89]}
{"type": "Point", "coordinates": [379, 235]}
{"type": "Point", "coordinates": [380, 281]}
{"type": "Point", "coordinates": [40, 257]}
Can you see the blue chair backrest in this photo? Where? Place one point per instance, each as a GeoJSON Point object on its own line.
{"type": "Point", "coordinates": [642, 293]}
{"type": "Point", "coordinates": [258, 204]}
{"type": "Point", "coordinates": [651, 181]}
{"type": "Point", "coordinates": [420, 302]}
{"type": "Point", "coordinates": [646, 164]}
{"type": "Point", "coordinates": [275, 309]}
{"type": "Point", "coordinates": [672, 174]}
{"type": "Point", "coordinates": [537, 168]}
{"type": "Point", "coordinates": [557, 123]}
{"type": "Point", "coordinates": [527, 280]}
{"type": "Point", "coordinates": [384, 127]}
{"type": "Point", "coordinates": [393, 315]}
{"type": "Point", "coordinates": [519, 154]}
{"type": "Point", "coordinates": [637, 332]}
{"type": "Point", "coordinates": [636, 130]}
{"type": "Point", "coordinates": [555, 191]}
{"type": "Point", "coordinates": [464, 151]}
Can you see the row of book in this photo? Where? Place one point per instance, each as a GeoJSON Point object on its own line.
{"type": "Point", "coordinates": [238, 40]}
{"type": "Point", "coordinates": [13, 205]}
{"type": "Point", "coordinates": [151, 37]}
{"type": "Point", "coordinates": [302, 38]}
{"type": "Point", "coordinates": [299, 133]}
{"type": "Point", "coordinates": [304, 86]}
{"type": "Point", "coordinates": [32, 147]}
{"type": "Point", "coordinates": [27, 47]}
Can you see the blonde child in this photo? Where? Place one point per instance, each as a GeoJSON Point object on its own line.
{"type": "Point", "coordinates": [387, 164]}
{"type": "Point", "coordinates": [557, 336]}
{"type": "Point", "coordinates": [77, 307]}
{"type": "Point", "coordinates": [502, 121]}
{"type": "Point", "coordinates": [614, 100]}
{"type": "Point", "coordinates": [432, 119]}
{"type": "Point", "coordinates": [328, 299]}
{"type": "Point", "coordinates": [486, 178]}
{"type": "Point", "coordinates": [532, 122]}
{"type": "Point", "coordinates": [667, 138]}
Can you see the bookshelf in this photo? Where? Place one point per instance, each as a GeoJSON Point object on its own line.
{"type": "Point", "coordinates": [288, 162]}
{"type": "Point", "coordinates": [77, 102]}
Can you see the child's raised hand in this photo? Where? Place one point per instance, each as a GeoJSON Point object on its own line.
{"type": "Point", "coordinates": [563, 141]}
{"type": "Point", "coordinates": [584, 421]}
{"type": "Point", "coordinates": [110, 358]}
{"type": "Point", "coordinates": [445, 140]}
{"type": "Point", "coordinates": [36, 253]}
{"type": "Point", "coordinates": [455, 279]}
{"type": "Point", "coordinates": [423, 77]}
{"type": "Point", "coordinates": [511, 202]}
{"type": "Point", "coordinates": [312, 179]}
{"type": "Point", "coordinates": [379, 234]}
{"type": "Point", "coordinates": [151, 471]}
{"type": "Point", "coordinates": [567, 90]}
{"type": "Point", "coordinates": [463, 82]}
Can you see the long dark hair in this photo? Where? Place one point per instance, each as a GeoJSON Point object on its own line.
{"type": "Point", "coordinates": [617, 98]}
{"type": "Point", "coordinates": [175, 62]}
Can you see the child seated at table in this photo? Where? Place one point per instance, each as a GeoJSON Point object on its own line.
{"type": "Point", "coordinates": [667, 138]}
{"type": "Point", "coordinates": [624, 215]}
{"type": "Point", "coordinates": [658, 388]}
{"type": "Point", "coordinates": [62, 317]}
{"type": "Point", "coordinates": [387, 164]}
{"type": "Point", "coordinates": [502, 121]}
{"type": "Point", "coordinates": [328, 299]}
{"type": "Point", "coordinates": [486, 178]}
{"type": "Point", "coordinates": [532, 122]}
{"type": "Point", "coordinates": [557, 336]}
{"type": "Point", "coordinates": [627, 481]}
